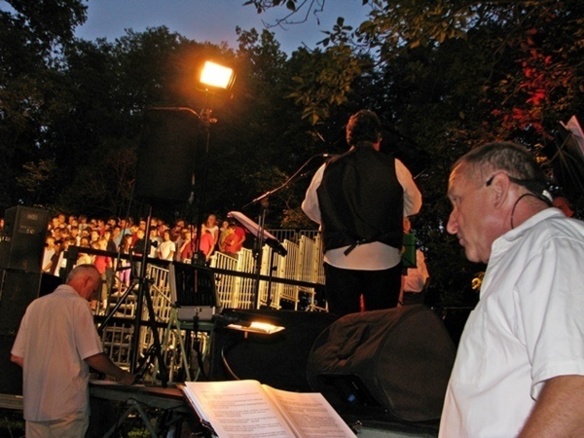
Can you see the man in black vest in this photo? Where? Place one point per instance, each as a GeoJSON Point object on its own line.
{"type": "Point", "coordinates": [359, 199]}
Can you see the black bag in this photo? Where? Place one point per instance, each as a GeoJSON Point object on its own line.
{"type": "Point", "coordinates": [398, 360]}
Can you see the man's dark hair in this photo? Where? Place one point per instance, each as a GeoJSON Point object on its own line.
{"type": "Point", "coordinates": [363, 126]}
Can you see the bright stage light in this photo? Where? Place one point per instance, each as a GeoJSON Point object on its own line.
{"type": "Point", "coordinates": [216, 75]}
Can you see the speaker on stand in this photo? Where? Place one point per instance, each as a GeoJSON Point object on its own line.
{"type": "Point", "coordinates": [166, 156]}
{"type": "Point", "coordinates": [21, 254]}
{"type": "Point", "coordinates": [23, 240]}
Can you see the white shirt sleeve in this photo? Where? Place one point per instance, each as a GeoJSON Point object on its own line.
{"type": "Point", "coordinates": [412, 195]}
{"type": "Point", "coordinates": [310, 204]}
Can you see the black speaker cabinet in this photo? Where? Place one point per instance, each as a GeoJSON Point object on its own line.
{"type": "Point", "coordinates": [23, 242]}
{"type": "Point", "coordinates": [166, 155]}
{"type": "Point", "coordinates": [11, 375]}
{"type": "Point", "coordinates": [279, 359]}
{"type": "Point", "coordinates": [17, 290]}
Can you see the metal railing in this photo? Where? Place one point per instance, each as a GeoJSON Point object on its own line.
{"type": "Point", "coordinates": [290, 282]}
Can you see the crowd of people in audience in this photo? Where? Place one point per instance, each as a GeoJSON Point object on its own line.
{"type": "Point", "coordinates": [172, 242]}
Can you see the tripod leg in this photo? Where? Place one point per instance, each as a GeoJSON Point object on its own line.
{"type": "Point", "coordinates": [156, 339]}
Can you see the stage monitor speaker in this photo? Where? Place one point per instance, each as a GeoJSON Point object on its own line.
{"type": "Point", "coordinates": [23, 241]}
{"type": "Point", "coordinates": [166, 156]}
{"type": "Point", "coordinates": [279, 359]}
{"type": "Point", "coordinates": [17, 291]}
{"type": "Point", "coordinates": [394, 361]}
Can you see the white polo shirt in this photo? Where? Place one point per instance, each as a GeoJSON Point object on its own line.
{"type": "Point", "coordinates": [56, 334]}
{"type": "Point", "coordinates": [527, 327]}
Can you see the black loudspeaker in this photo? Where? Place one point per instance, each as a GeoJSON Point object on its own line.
{"type": "Point", "coordinates": [394, 361]}
{"type": "Point", "coordinates": [49, 283]}
{"type": "Point", "coordinates": [11, 375]}
{"type": "Point", "coordinates": [17, 290]}
{"type": "Point", "coordinates": [279, 359]}
{"type": "Point", "coordinates": [24, 238]}
{"type": "Point", "coordinates": [166, 155]}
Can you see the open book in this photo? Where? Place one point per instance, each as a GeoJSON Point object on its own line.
{"type": "Point", "coordinates": [248, 409]}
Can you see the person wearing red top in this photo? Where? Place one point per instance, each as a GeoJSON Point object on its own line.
{"type": "Point", "coordinates": [206, 244]}
{"type": "Point", "coordinates": [241, 235]}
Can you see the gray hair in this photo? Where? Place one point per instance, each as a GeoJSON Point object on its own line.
{"type": "Point", "coordinates": [513, 159]}
{"type": "Point", "coordinates": [83, 269]}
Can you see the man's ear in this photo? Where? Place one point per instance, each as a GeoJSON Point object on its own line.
{"type": "Point", "coordinates": [500, 186]}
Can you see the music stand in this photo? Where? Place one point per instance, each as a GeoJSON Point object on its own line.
{"type": "Point", "coordinates": [194, 298]}
{"type": "Point", "coordinates": [193, 291]}
{"type": "Point", "coordinates": [262, 236]}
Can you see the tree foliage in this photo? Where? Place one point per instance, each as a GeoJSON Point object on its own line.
{"type": "Point", "coordinates": [449, 75]}
{"type": "Point", "coordinates": [443, 76]}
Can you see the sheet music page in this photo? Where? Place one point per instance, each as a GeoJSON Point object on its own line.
{"type": "Point", "coordinates": [311, 414]}
{"type": "Point", "coordinates": [237, 409]}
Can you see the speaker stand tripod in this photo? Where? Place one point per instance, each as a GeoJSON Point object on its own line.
{"type": "Point", "coordinates": [143, 284]}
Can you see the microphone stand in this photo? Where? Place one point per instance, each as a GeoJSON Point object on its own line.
{"type": "Point", "coordinates": [258, 253]}
{"type": "Point", "coordinates": [259, 244]}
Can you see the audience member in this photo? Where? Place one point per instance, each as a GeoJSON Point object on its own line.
{"type": "Point", "coordinates": [187, 246]}
{"type": "Point", "coordinates": [82, 222]}
{"type": "Point", "coordinates": [94, 235]}
{"type": "Point", "coordinates": [155, 241]}
{"type": "Point", "coordinates": [241, 236]}
{"type": "Point", "coordinates": [62, 259]}
{"type": "Point", "coordinates": [222, 234]}
{"type": "Point", "coordinates": [103, 264]}
{"type": "Point", "coordinates": [74, 234]}
{"type": "Point", "coordinates": [206, 244]}
{"type": "Point", "coordinates": [48, 254]}
{"type": "Point", "coordinates": [166, 248]}
{"type": "Point", "coordinates": [176, 231]}
{"type": "Point", "coordinates": [54, 263]}
{"type": "Point", "coordinates": [109, 238]}
{"type": "Point", "coordinates": [211, 226]}
{"type": "Point", "coordinates": [415, 278]}
{"type": "Point", "coordinates": [231, 242]}
{"type": "Point", "coordinates": [138, 248]}
{"type": "Point", "coordinates": [116, 235]}
{"type": "Point", "coordinates": [124, 269]}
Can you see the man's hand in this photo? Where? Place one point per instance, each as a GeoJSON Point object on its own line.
{"type": "Point", "coordinates": [102, 363]}
{"type": "Point", "coordinates": [127, 378]}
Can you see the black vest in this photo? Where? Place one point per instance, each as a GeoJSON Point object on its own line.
{"type": "Point", "coordinates": [361, 200]}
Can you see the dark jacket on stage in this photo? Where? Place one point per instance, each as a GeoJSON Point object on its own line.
{"type": "Point", "coordinates": [361, 200]}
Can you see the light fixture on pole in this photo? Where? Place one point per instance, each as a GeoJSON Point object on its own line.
{"type": "Point", "coordinates": [213, 77]}
{"type": "Point", "coordinates": [217, 76]}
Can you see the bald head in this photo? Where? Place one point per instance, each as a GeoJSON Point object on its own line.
{"type": "Point", "coordinates": [85, 279]}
